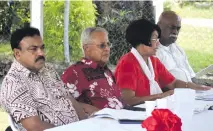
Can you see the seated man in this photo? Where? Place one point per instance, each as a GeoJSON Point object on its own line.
{"type": "Point", "coordinates": [32, 92]}
{"type": "Point", "coordinates": [169, 53]}
{"type": "Point", "coordinates": [90, 80]}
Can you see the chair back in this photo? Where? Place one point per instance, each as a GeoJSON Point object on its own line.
{"type": "Point", "coordinates": [12, 123]}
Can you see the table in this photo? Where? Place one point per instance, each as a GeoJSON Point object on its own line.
{"type": "Point", "coordinates": [201, 122]}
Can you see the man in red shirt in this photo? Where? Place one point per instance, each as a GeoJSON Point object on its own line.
{"type": "Point", "coordinates": [90, 81]}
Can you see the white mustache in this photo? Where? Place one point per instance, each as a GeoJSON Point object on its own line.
{"type": "Point", "coordinates": [172, 35]}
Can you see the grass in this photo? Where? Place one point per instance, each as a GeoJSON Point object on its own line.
{"type": "Point", "coordinates": [191, 11]}
{"type": "Point", "coordinates": [197, 43]}
{"type": "Point", "coordinates": [198, 59]}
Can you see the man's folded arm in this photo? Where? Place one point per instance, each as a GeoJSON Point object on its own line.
{"type": "Point", "coordinates": [89, 109]}
{"type": "Point", "coordinates": [78, 108]}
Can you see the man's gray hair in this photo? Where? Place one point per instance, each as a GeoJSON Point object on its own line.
{"type": "Point", "coordinates": [85, 35]}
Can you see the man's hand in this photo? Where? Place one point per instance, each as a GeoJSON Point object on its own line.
{"type": "Point", "coordinates": [78, 108]}
{"type": "Point", "coordinates": [89, 109]}
{"type": "Point", "coordinates": [34, 123]}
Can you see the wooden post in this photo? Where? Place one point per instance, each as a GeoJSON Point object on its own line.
{"type": "Point", "coordinates": [36, 15]}
{"type": "Point", "coordinates": [158, 4]}
{"type": "Point", "coordinates": [66, 31]}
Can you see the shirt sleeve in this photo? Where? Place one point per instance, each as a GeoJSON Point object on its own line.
{"type": "Point", "coordinates": [126, 75]}
{"type": "Point", "coordinates": [164, 76]}
{"type": "Point", "coordinates": [70, 79]}
{"type": "Point", "coordinates": [17, 100]}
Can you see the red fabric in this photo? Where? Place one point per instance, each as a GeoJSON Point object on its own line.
{"type": "Point", "coordinates": [96, 81]}
{"type": "Point", "coordinates": [162, 120]}
{"type": "Point", "coordinates": [129, 75]}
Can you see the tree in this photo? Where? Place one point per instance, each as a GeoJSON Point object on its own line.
{"type": "Point", "coordinates": [14, 14]}
{"type": "Point", "coordinates": [82, 15]}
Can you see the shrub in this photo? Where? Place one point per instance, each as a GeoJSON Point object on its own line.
{"type": "Point", "coordinates": [14, 14]}
{"type": "Point", "coordinates": [82, 14]}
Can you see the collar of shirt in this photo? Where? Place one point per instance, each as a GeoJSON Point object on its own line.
{"type": "Point", "coordinates": [24, 70]}
{"type": "Point", "coordinates": [168, 48]}
{"type": "Point", "coordinates": [93, 64]}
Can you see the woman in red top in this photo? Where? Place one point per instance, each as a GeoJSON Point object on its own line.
{"type": "Point", "coordinates": [139, 74]}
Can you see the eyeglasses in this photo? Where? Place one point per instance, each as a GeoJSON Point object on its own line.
{"type": "Point", "coordinates": [102, 45]}
{"type": "Point", "coordinates": [154, 40]}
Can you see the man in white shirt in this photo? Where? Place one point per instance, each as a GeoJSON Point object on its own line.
{"type": "Point", "coordinates": [169, 53]}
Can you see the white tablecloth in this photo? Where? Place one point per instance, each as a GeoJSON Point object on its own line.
{"type": "Point", "coordinates": [201, 122]}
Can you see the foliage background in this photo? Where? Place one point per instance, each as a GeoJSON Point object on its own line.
{"type": "Point", "coordinates": [17, 14]}
{"type": "Point", "coordinates": [82, 15]}
{"type": "Point", "coordinates": [196, 41]}
{"type": "Point", "coordinates": [115, 16]}
{"type": "Point", "coordinates": [195, 37]}
{"type": "Point", "coordinates": [13, 15]}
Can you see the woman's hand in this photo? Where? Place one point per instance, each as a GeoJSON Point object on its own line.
{"type": "Point", "coordinates": [201, 87]}
{"type": "Point", "coordinates": [165, 94]}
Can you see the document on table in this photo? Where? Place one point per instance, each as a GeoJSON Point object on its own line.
{"type": "Point", "coordinates": [205, 95]}
{"type": "Point", "coordinates": [121, 115]}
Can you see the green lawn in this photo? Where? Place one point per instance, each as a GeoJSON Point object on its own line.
{"type": "Point", "coordinates": [198, 45]}
{"type": "Point", "coordinates": [191, 11]}
{"type": "Point", "coordinates": [196, 41]}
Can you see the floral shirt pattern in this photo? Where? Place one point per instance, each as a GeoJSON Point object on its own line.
{"type": "Point", "coordinates": [93, 84]}
{"type": "Point", "coordinates": [24, 94]}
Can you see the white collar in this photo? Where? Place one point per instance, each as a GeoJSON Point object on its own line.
{"type": "Point", "coordinates": [148, 71]}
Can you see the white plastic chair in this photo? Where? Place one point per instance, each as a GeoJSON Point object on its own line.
{"type": "Point", "coordinates": [12, 124]}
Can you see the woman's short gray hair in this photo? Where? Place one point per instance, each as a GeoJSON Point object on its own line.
{"type": "Point", "coordinates": [85, 35]}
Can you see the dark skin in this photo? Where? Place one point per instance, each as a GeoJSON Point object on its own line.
{"type": "Point", "coordinates": [31, 55]}
{"type": "Point", "coordinates": [170, 25]}
{"type": "Point", "coordinates": [34, 123]}
{"type": "Point", "coordinates": [129, 96]}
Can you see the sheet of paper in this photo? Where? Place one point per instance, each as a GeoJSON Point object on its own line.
{"type": "Point", "coordinates": [205, 95]}
{"type": "Point", "coordinates": [201, 106]}
{"type": "Point", "coordinates": [121, 114]}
